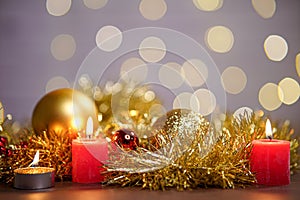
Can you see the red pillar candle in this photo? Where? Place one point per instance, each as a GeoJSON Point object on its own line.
{"type": "Point", "coordinates": [86, 160]}
{"type": "Point", "coordinates": [87, 155]}
{"type": "Point", "coordinates": [270, 160]}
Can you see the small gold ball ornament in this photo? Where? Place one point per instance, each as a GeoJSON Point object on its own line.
{"type": "Point", "coordinates": [64, 110]}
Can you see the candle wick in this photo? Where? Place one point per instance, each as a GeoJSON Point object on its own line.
{"type": "Point", "coordinates": [269, 137]}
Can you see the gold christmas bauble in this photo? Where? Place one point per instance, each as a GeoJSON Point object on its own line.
{"type": "Point", "coordinates": [64, 110]}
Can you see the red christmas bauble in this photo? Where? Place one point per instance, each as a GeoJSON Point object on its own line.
{"type": "Point", "coordinates": [2, 144]}
{"type": "Point", "coordinates": [9, 152]}
{"type": "Point", "coordinates": [3, 140]}
{"type": "Point", "coordinates": [2, 150]}
{"type": "Point", "coordinates": [126, 139]}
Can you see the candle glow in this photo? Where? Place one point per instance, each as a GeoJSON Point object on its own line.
{"type": "Point", "coordinates": [36, 159]}
{"type": "Point", "coordinates": [34, 177]}
{"type": "Point", "coordinates": [269, 132]}
{"type": "Point", "coordinates": [87, 155]}
{"type": "Point", "coordinates": [89, 128]}
{"type": "Point", "coordinates": [270, 159]}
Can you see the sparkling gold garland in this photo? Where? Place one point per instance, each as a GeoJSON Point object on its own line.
{"type": "Point", "coordinates": [226, 166]}
{"type": "Point", "coordinates": [55, 151]}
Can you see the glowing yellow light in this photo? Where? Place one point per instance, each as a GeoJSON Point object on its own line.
{"type": "Point", "coordinates": [266, 8]}
{"type": "Point", "coordinates": [100, 117]}
{"type": "Point", "coordinates": [134, 69]}
{"type": "Point", "coordinates": [234, 80]}
{"type": "Point", "coordinates": [157, 110]}
{"type": "Point", "coordinates": [36, 159]}
{"type": "Point", "coordinates": [1, 113]}
{"type": "Point", "coordinates": [195, 72]}
{"type": "Point", "coordinates": [259, 113]}
{"type": "Point", "coordinates": [206, 5]}
{"type": "Point", "coordinates": [77, 123]}
{"type": "Point", "coordinates": [170, 75]}
{"type": "Point", "coordinates": [269, 96]}
{"type": "Point", "coordinates": [95, 4]}
{"type": "Point", "coordinates": [153, 9]}
{"type": "Point", "coordinates": [133, 113]}
{"type": "Point", "coordinates": [89, 127]}
{"type": "Point", "coordinates": [297, 63]}
{"type": "Point", "coordinates": [56, 83]}
{"type": "Point", "coordinates": [152, 49]}
{"type": "Point", "coordinates": [185, 100]}
{"type": "Point", "coordinates": [103, 108]}
{"type": "Point", "coordinates": [63, 47]}
{"type": "Point", "coordinates": [206, 101]}
{"type": "Point", "coordinates": [58, 7]}
{"type": "Point", "coordinates": [109, 38]}
{"type": "Point", "coordinates": [149, 96]}
{"type": "Point", "coordinates": [276, 48]}
{"type": "Point", "coordinates": [290, 89]}
{"type": "Point", "coordinates": [219, 39]}
{"type": "Point", "coordinates": [269, 133]}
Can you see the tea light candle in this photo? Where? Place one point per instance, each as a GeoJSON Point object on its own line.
{"type": "Point", "coordinates": [31, 178]}
{"type": "Point", "coordinates": [270, 160]}
{"type": "Point", "coordinates": [87, 155]}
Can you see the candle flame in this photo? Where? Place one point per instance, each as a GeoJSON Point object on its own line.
{"type": "Point", "coordinates": [269, 133]}
{"type": "Point", "coordinates": [35, 159]}
{"type": "Point", "coordinates": [89, 127]}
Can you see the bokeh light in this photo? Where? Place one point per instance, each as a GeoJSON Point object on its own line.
{"type": "Point", "coordinates": [297, 63]}
{"type": "Point", "coordinates": [85, 82]}
{"type": "Point", "coordinates": [152, 49]}
{"type": "Point", "coordinates": [206, 101]}
{"type": "Point", "coordinates": [170, 75]}
{"type": "Point", "coordinates": [259, 113]}
{"type": "Point", "coordinates": [269, 96]}
{"type": "Point", "coordinates": [219, 39]}
{"type": "Point", "coordinates": [63, 47]}
{"type": "Point", "coordinates": [234, 80]}
{"type": "Point", "coordinates": [290, 89]}
{"type": "Point", "coordinates": [134, 69]}
{"type": "Point", "coordinates": [195, 72]}
{"type": "Point", "coordinates": [57, 82]}
{"type": "Point", "coordinates": [153, 9]}
{"type": "Point", "coordinates": [206, 5]}
{"type": "Point", "coordinates": [58, 7]}
{"type": "Point", "coordinates": [186, 100]}
{"type": "Point", "coordinates": [149, 96]}
{"type": "Point", "coordinates": [109, 38]}
{"type": "Point", "coordinates": [95, 4]}
{"type": "Point", "coordinates": [1, 115]}
{"type": "Point", "coordinates": [157, 110]}
{"type": "Point", "coordinates": [276, 48]}
{"type": "Point", "coordinates": [266, 8]}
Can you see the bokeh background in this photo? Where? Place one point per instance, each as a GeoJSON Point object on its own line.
{"type": "Point", "coordinates": [254, 44]}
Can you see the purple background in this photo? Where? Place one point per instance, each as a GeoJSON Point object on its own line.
{"type": "Point", "coordinates": [27, 29]}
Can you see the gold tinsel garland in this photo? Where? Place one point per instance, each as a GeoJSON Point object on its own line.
{"type": "Point", "coordinates": [225, 166]}
{"type": "Point", "coordinates": [55, 151]}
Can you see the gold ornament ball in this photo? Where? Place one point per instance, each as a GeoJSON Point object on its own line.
{"type": "Point", "coordinates": [64, 110]}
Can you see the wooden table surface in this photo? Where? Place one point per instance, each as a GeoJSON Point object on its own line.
{"type": "Point", "coordinates": [72, 191]}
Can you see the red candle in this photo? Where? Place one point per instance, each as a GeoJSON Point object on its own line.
{"type": "Point", "coordinates": [87, 155]}
{"type": "Point", "coordinates": [270, 160]}
{"type": "Point", "coordinates": [86, 160]}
